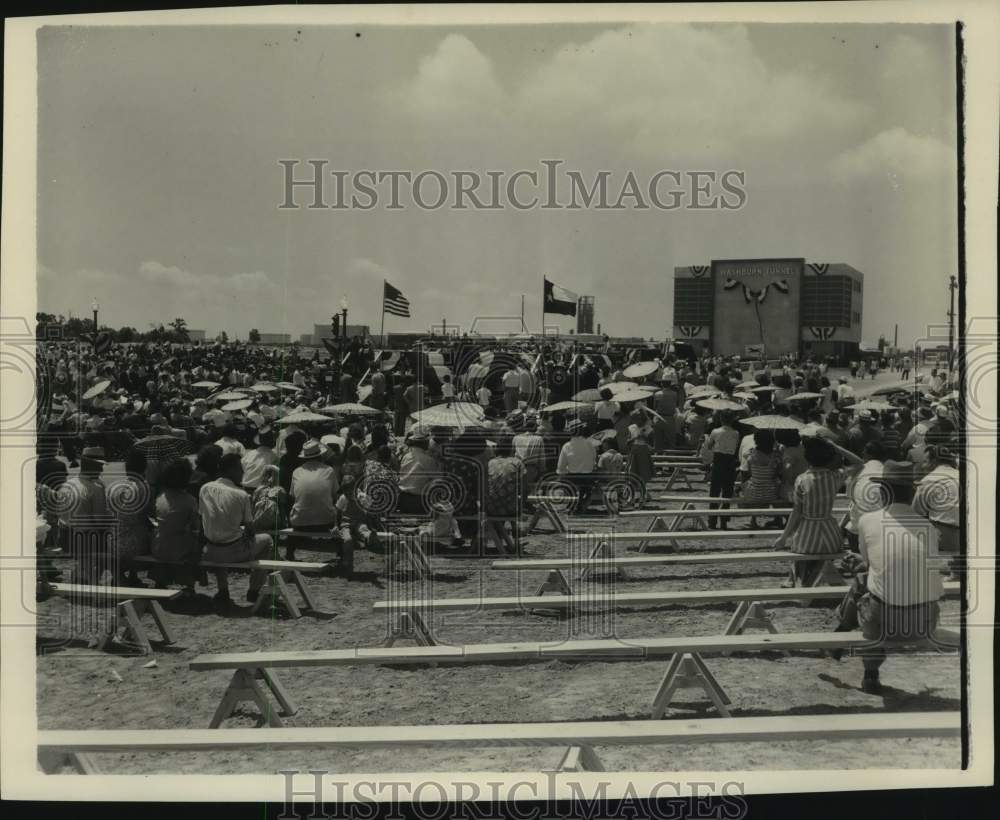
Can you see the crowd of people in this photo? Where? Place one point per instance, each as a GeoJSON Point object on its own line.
{"type": "Point", "coordinates": [226, 446]}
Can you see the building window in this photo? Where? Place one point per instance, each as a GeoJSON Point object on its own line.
{"type": "Point", "coordinates": [826, 301]}
{"type": "Point", "coordinates": [856, 318]}
{"type": "Point", "coordinates": [693, 301]}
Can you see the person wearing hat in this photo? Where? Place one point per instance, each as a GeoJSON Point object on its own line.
{"type": "Point", "coordinates": [894, 596]}
{"type": "Point", "coordinates": [85, 519]}
{"type": "Point", "coordinates": [864, 430]}
{"type": "Point", "coordinates": [577, 461]}
{"type": "Point", "coordinates": [313, 492]}
{"type": "Point", "coordinates": [417, 468]}
{"type": "Point", "coordinates": [937, 496]}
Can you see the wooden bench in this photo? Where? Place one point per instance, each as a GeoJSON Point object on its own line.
{"type": "Point", "coordinates": [675, 470]}
{"type": "Point", "coordinates": [55, 746]}
{"type": "Point", "coordinates": [687, 668]}
{"type": "Point", "coordinates": [556, 581]}
{"type": "Point", "coordinates": [708, 499]}
{"type": "Point", "coordinates": [281, 576]}
{"type": "Point", "coordinates": [750, 611]}
{"type": "Point", "coordinates": [131, 603]}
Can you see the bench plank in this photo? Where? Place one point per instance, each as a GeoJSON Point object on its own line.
{"type": "Point", "coordinates": [771, 556]}
{"type": "Point", "coordinates": [611, 733]}
{"type": "Point", "coordinates": [595, 649]}
{"type": "Point", "coordinates": [673, 535]}
{"type": "Point", "coordinates": [118, 593]}
{"type": "Point", "coordinates": [627, 599]}
{"type": "Point", "coordinates": [732, 512]}
{"type": "Point", "coordinates": [300, 566]}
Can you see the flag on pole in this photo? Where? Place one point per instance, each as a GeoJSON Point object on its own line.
{"type": "Point", "coordinates": [558, 300]}
{"type": "Point", "coordinates": [394, 302]}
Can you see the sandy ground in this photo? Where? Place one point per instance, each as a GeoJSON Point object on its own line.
{"type": "Point", "coordinates": [79, 688]}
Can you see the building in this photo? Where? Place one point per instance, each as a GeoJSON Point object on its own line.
{"type": "Point", "coordinates": [321, 332]}
{"type": "Point", "coordinates": [275, 338]}
{"type": "Point", "coordinates": [196, 335]}
{"type": "Point", "coordinates": [585, 315]}
{"type": "Point", "coordinates": [749, 307]}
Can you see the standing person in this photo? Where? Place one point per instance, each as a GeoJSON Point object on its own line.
{"type": "Point", "coordinates": [845, 393]}
{"type": "Point", "coordinates": [511, 389]}
{"type": "Point", "coordinates": [764, 468]}
{"type": "Point", "coordinates": [640, 461]}
{"type": "Point", "coordinates": [811, 527]}
{"type": "Point", "coordinates": [484, 395]}
{"type": "Point", "coordinates": [721, 447]}
{"type": "Point", "coordinates": [378, 398]}
{"type": "Point", "coordinates": [895, 595]}
{"type": "Point", "coordinates": [666, 401]}
{"type": "Point", "coordinates": [227, 521]}
{"type": "Point", "coordinates": [526, 385]}
{"type": "Point", "coordinates": [130, 500]}
{"type": "Point", "coordinates": [905, 368]}
{"type": "Point", "coordinates": [401, 408]}
{"type": "Point", "coordinates": [606, 410]}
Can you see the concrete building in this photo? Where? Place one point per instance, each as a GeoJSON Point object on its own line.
{"type": "Point", "coordinates": [773, 306]}
{"type": "Point", "coordinates": [196, 335]}
{"type": "Point", "coordinates": [275, 338]}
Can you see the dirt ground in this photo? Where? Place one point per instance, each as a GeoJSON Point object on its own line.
{"type": "Point", "coordinates": [79, 688]}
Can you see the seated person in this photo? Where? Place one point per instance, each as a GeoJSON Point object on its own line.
{"type": "Point", "coordinates": [227, 520]}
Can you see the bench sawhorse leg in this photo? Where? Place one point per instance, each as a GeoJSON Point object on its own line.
{"type": "Point", "coordinates": [278, 588]}
{"type": "Point", "coordinates": [497, 533]}
{"type": "Point", "coordinates": [410, 625]}
{"type": "Point", "coordinates": [545, 507]}
{"type": "Point", "coordinates": [244, 686]}
{"type": "Point", "coordinates": [602, 549]}
{"type": "Point", "coordinates": [50, 762]}
{"type": "Point", "coordinates": [407, 551]}
{"type": "Point", "coordinates": [687, 670]}
{"type": "Point", "coordinates": [580, 759]}
{"type": "Point", "coordinates": [131, 611]}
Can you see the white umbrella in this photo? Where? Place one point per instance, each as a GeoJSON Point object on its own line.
{"type": "Point", "coordinates": [590, 394]}
{"type": "Point", "coordinates": [460, 414]}
{"type": "Point", "coordinates": [773, 423]}
{"type": "Point", "coordinates": [97, 389]}
{"type": "Point", "coordinates": [747, 396]}
{"type": "Point", "coordinates": [264, 388]}
{"type": "Point", "coordinates": [210, 385]}
{"type": "Point", "coordinates": [867, 404]}
{"type": "Point", "coordinates": [569, 407]}
{"type": "Point", "coordinates": [619, 387]}
{"type": "Point", "coordinates": [288, 386]}
{"type": "Point", "coordinates": [703, 391]}
{"type": "Point", "coordinates": [303, 417]}
{"type": "Point", "coordinates": [767, 388]}
{"type": "Point", "coordinates": [720, 404]}
{"type": "Point", "coordinates": [239, 404]}
{"type": "Point", "coordinates": [351, 409]}
{"type": "Point", "coordinates": [633, 395]}
{"type": "Point", "coordinates": [229, 395]}
{"type": "Point", "coordinates": [805, 396]}
{"type": "Point", "coordinates": [640, 370]}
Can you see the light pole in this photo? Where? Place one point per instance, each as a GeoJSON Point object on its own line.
{"type": "Point", "coordinates": [343, 309]}
{"type": "Point", "coordinates": [95, 307]}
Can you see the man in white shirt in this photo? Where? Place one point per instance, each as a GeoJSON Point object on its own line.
{"type": "Point", "coordinates": [511, 389]}
{"type": "Point", "coordinates": [863, 494]}
{"type": "Point", "coordinates": [844, 391]}
{"type": "Point", "coordinates": [484, 396]}
{"type": "Point", "coordinates": [257, 460]}
{"type": "Point", "coordinates": [229, 443]}
{"type": "Point", "coordinates": [530, 448]}
{"type": "Point", "coordinates": [896, 599]}
{"type": "Point", "coordinates": [227, 521]}
{"type": "Point", "coordinates": [937, 499]}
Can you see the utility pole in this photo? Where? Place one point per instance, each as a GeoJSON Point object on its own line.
{"type": "Point", "coordinates": [95, 307]}
{"type": "Point", "coordinates": [952, 287]}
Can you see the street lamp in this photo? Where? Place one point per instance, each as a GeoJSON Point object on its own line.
{"type": "Point", "coordinates": [95, 307]}
{"type": "Point", "coordinates": [343, 309]}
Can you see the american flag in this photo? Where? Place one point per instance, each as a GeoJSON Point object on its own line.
{"type": "Point", "coordinates": [394, 302]}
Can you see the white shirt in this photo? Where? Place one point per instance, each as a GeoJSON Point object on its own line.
{"type": "Point", "coordinates": [844, 392]}
{"type": "Point", "coordinates": [224, 509]}
{"type": "Point", "coordinates": [897, 544]}
{"type": "Point", "coordinates": [578, 455]}
{"type": "Point", "coordinates": [314, 485]}
{"type": "Point", "coordinates": [484, 396]}
{"type": "Point", "coordinates": [231, 445]}
{"type": "Point", "coordinates": [254, 463]}
{"type": "Point", "coordinates": [937, 495]}
{"type": "Point", "coordinates": [863, 495]}
{"type": "Point", "coordinates": [511, 380]}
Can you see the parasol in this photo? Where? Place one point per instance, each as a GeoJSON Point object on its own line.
{"type": "Point", "coordinates": [888, 391]}
{"type": "Point", "coordinates": [618, 387]}
{"type": "Point", "coordinates": [206, 384]}
{"type": "Point", "coordinates": [703, 391]}
{"type": "Point", "coordinates": [748, 384]}
{"type": "Point", "coordinates": [720, 404]}
{"type": "Point", "coordinates": [569, 407]}
{"type": "Point", "coordinates": [288, 386]}
{"type": "Point", "coordinates": [303, 417]}
{"type": "Point", "coordinates": [774, 423]}
{"type": "Point", "coordinates": [746, 396]}
{"type": "Point", "coordinates": [97, 389]}
{"type": "Point", "coordinates": [351, 409]}
{"type": "Point", "coordinates": [640, 370]}
{"type": "Point", "coordinates": [459, 414]}
{"type": "Point", "coordinates": [805, 396]}
{"type": "Point", "coordinates": [264, 388]}
{"type": "Point", "coordinates": [588, 395]}
{"type": "Point", "coordinates": [239, 404]}
{"type": "Point", "coordinates": [634, 394]}
{"type": "Point", "coordinates": [767, 388]}
{"type": "Point", "coordinates": [229, 395]}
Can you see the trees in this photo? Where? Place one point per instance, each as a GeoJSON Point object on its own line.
{"type": "Point", "coordinates": [254, 336]}
{"type": "Point", "coordinates": [179, 327]}
{"type": "Point", "coordinates": [222, 337]}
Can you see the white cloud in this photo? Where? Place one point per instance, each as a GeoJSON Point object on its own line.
{"type": "Point", "coordinates": [896, 155]}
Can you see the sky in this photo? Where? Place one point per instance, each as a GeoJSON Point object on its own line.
{"type": "Point", "coordinates": [159, 181]}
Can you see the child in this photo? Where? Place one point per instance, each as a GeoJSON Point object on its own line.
{"type": "Point", "coordinates": [269, 505]}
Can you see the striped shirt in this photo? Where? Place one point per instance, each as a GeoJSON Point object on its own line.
{"type": "Point", "coordinates": [818, 531]}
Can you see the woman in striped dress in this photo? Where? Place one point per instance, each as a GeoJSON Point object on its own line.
{"type": "Point", "coordinates": [811, 528]}
{"type": "Point", "coordinates": [764, 466]}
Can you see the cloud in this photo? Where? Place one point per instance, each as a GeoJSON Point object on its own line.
{"type": "Point", "coordinates": [896, 155]}
{"type": "Point", "coordinates": [161, 274]}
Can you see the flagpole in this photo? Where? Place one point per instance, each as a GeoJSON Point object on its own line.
{"type": "Point", "coordinates": [543, 307]}
{"type": "Point", "coordinates": [382, 331]}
